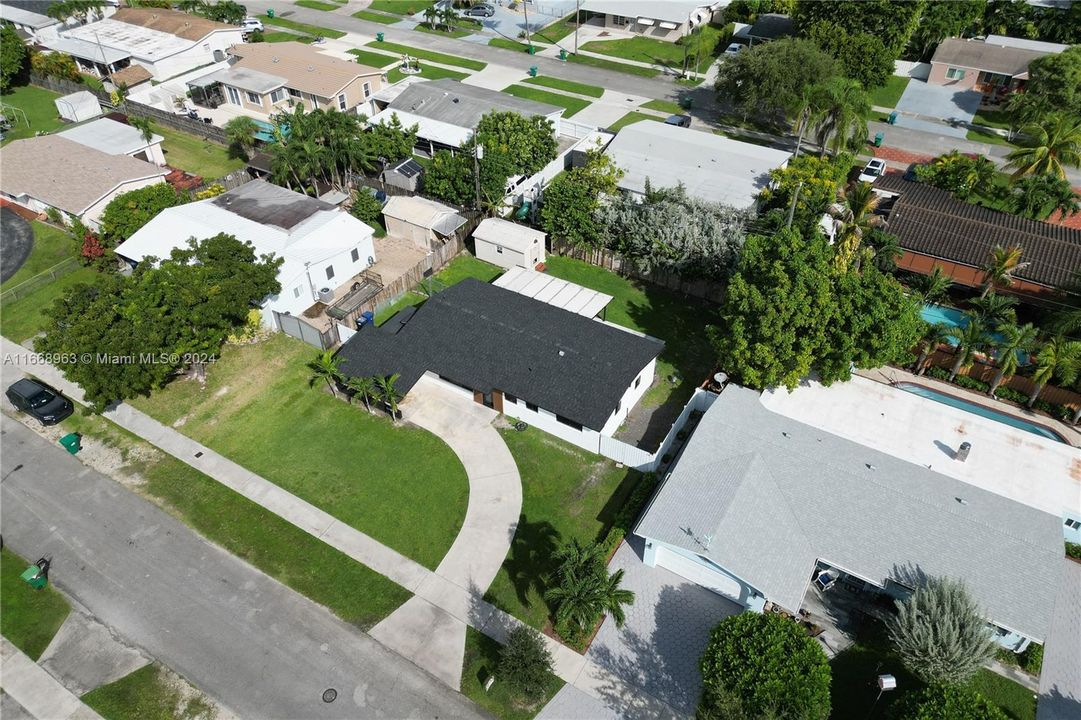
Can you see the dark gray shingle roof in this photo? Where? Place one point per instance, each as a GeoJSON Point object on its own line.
{"type": "Point", "coordinates": [488, 338]}
{"type": "Point", "coordinates": [463, 105]}
{"type": "Point", "coordinates": [776, 495]}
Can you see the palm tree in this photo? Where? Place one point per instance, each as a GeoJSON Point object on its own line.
{"type": "Point", "coordinates": [145, 126]}
{"type": "Point", "coordinates": [936, 335]}
{"type": "Point", "coordinates": [999, 270]}
{"type": "Point", "coordinates": [1016, 339]}
{"type": "Point", "coordinates": [388, 393]}
{"type": "Point", "coordinates": [431, 14]}
{"type": "Point", "coordinates": [1068, 320]}
{"type": "Point", "coordinates": [971, 339]}
{"type": "Point", "coordinates": [933, 287]}
{"type": "Point", "coordinates": [804, 111]}
{"type": "Point", "coordinates": [240, 132]}
{"type": "Point", "coordinates": [1058, 358]}
{"type": "Point", "coordinates": [448, 17]}
{"type": "Point", "coordinates": [994, 309]}
{"type": "Point", "coordinates": [364, 388]}
{"type": "Point", "coordinates": [855, 215]}
{"type": "Point", "coordinates": [1039, 196]}
{"type": "Point", "coordinates": [1048, 147]}
{"type": "Point", "coordinates": [840, 119]}
{"type": "Point", "coordinates": [325, 367]}
{"type": "Point", "coordinates": [584, 590]}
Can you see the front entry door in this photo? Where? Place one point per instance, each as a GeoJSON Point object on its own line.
{"type": "Point", "coordinates": [497, 401]}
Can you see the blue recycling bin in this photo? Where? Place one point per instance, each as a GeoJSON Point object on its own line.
{"type": "Point", "coordinates": [365, 318]}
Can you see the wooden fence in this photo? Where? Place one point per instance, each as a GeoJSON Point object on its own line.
{"type": "Point", "coordinates": [986, 373]}
{"type": "Point", "coordinates": [609, 260]}
{"type": "Point", "coordinates": [62, 268]}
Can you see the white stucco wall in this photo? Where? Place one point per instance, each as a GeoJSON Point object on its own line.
{"type": "Point", "coordinates": [630, 398]}
{"type": "Point", "coordinates": [200, 53]}
{"type": "Point", "coordinates": [508, 258]}
{"type": "Point", "coordinates": [296, 294]}
{"type": "Point", "coordinates": [544, 420]}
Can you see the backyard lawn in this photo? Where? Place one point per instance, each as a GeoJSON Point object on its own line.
{"type": "Point", "coordinates": [28, 618]}
{"type": "Point", "coordinates": [51, 245]}
{"type": "Point", "coordinates": [631, 118]}
{"type": "Point", "coordinates": [567, 85]}
{"type": "Point", "coordinates": [480, 662]}
{"type": "Point", "coordinates": [146, 694]}
{"type": "Point", "coordinates": [442, 58]}
{"type": "Point", "coordinates": [889, 94]}
{"type": "Point", "coordinates": [350, 590]}
{"type": "Point", "coordinates": [39, 108]}
{"type": "Point", "coordinates": [571, 105]}
{"type": "Point", "coordinates": [376, 17]}
{"type": "Point", "coordinates": [458, 269]}
{"type": "Point", "coordinates": [401, 485]}
{"type": "Point", "coordinates": [613, 65]}
{"type": "Point", "coordinates": [304, 28]}
{"type": "Point", "coordinates": [567, 493]}
{"type": "Point", "coordinates": [195, 155]}
{"type": "Point", "coordinates": [24, 318]}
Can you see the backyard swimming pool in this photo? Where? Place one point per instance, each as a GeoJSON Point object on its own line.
{"type": "Point", "coordinates": [976, 409]}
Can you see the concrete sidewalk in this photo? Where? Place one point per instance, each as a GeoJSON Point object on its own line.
{"type": "Point", "coordinates": [36, 690]}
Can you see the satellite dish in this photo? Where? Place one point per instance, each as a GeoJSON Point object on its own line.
{"type": "Point", "coordinates": [720, 378]}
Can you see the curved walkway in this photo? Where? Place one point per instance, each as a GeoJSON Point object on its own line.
{"type": "Point", "coordinates": [420, 630]}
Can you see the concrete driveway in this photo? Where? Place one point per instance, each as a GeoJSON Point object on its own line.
{"type": "Point", "coordinates": [934, 105]}
{"type": "Point", "coordinates": [16, 242]}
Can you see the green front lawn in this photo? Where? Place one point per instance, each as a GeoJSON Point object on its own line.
{"type": "Point", "coordinates": [24, 318]}
{"type": "Point", "coordinates": [375, 60]}
{"type": "Point", "coordinates": [427, 72]}
{"type": "Point", "coordinates": [665, 106]}
{"type": "Point", "coordinates": [51, 246]}
{"type": "Point", "coordinates": [399, 484]}
{"type": "Point", "coordinates": [889, 94]}
{"type": "Point", "coordinates": [557, 31]}
{"type": "Point", "coordinates": [992, 118]}
{"type": "Point", "coordinates": [401, 7]}
{"type": "Point", "coordinates": [316, 5]}
{"type": "Point", "coordinates": [436, 57]}
{"type": "Point", "coordinates": [979, 135]}
{"type": "Point", "coordinates": [352, 591]}
{"type": "Point", "coordinates": [285, 36]}
{"type": "Point", "coordinates": [196, 155]}
{"type": "Point", "coordinates": [376, 17]}
{"type": "Point", "coordinates": [481, 662]}
{"type": "Point", "coordinates": [508, 44]}
{"type": "Point", "coordinates": [28, 618]}
{"type": "Point", "coordinates": [39, 108]}
{"type": "Point", "coordinates": [647, 50]}
{"type": "Point", "coordinates": [567, 493]}
{"type": "Point", "coordinates": [567, 85]}
{"type": "Point", "coordinates": [631, 118]}
{"type": "Point", "coordinates": [678, 320]}
{"type": "Point", "coordinates": [571, 105]}
{"type": "Point", "coordinates": [455, 32]}
{"type": "Point", "coordinates": [304, 28]}
{"type": "Point", "coordinates": [146, 694]}
{"type": "Point", "coordinates": [613, 65]}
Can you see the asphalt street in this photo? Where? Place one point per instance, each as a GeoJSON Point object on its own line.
{"type": "Point", "coordinates": [257, 647]}
{"type": "Point", "coordinates": [16, 242]}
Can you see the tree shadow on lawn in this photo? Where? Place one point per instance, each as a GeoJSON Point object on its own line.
{"type": "Point", "coordinates": [531, 560]}
{"type": "Point", "coordinates": [855, 674]}
{"type": "Point", "coordinates": [615, 502]}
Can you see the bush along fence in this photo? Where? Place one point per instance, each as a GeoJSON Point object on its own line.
{"type": "Point", "coordinates": [609, 260]}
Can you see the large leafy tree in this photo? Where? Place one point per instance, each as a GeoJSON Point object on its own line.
{"type": "Point", "coordinates": [942, 20]}
{"type": "Point", "coordinates": [451, 177]}
{"type": "Point", "coordinates": [863, 57]}
{"type": "Point", "coordinates": [1054, 83]}
{"type": "Point", "coordinates": [781, 70]}
{"type": "Point", "coordinates": [959, 174]}
{"type": "Point", "coordinates": [166, 316]}
{"type": "Point", "coordinates": [892, 21]}
{"type": "Point", "coordinates": [391, 141]}
{"type": "Point", "coordinates": [525, 663]}
{"type": "Point", "coordinates": [940, 633]}
{"type": "Point", "coordinates": [529, 142]}
{"type": "Point", "coordinates": [128, 212]}
{"type": "Point", "coordinates": [13, 57]}
{"type": "Point", "coordinates": [766, 666]}
{"type": "Point", "coordinates": [776, 311]}
{"type": "Point", "coordinates": [1048, 147]}
{"type": "Point", "coordinates": [812, 182]}
{"type": "Point", "coordinates": [670, 230]}
{"type": "Point", "coordinates": [570, 202]}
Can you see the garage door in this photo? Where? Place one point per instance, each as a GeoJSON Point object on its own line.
{"type": "Point", "coordinates": [700, 574]}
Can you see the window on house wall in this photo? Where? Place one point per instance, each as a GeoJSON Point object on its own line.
{"type": "Point", "coordinates": [341, 101]}
{"type": "Point", "coordinates": [510, 398]}
{"type": "Point", "coordinates": [296, 291]}
{"type": "Point", "coordinates": [638, 381]}
{"type": "Point", "coordinates": [499, 249]}
{"type": "Point", "coordinates": [234, 96]}
{"type": "Point", "coordinates": [355, 254]}
{"type": "Point", "coordinates": [1073, 524]}
{"type": "Point", "coordinates": [619, 20]}
{"type": "Point", "coordinates": [531, 406]}
{"type": "Point", "coordinates": [277, 95]}
{"type": "Point", "coordinates": [330, 272]}
{"type": "Point", "coordinates": [254, 99]}
{"type": "Point", "coordinates": [367, 90]}
{"type": "Point", "coordinates": [294, 93]}
{"type": "Point", "coordinates": [955, 74]}
{"type": "Point", "coordinates": [568, 422]}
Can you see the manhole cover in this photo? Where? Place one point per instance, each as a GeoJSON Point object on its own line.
{"type": "Point", "coordinates": [330, 695]}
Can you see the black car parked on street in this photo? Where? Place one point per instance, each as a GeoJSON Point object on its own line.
{"type": "Point", "coordinates": [39, 401]}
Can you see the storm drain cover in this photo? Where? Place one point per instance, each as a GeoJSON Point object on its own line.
{"type": "Point", "coordinates": [330, 695]}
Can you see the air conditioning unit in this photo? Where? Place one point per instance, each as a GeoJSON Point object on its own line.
{"type": "Point", "coordinates": [326, 295]}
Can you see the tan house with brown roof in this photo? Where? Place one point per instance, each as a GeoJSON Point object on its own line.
{"type": "Point", "coordinates": [50, 171]}
{"type": "Point", "coordinates": [267, 77]}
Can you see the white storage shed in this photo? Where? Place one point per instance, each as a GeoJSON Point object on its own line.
{"type": "Point", "coordinates": [509, 244]}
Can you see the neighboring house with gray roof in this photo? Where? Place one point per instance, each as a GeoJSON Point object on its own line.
{"type": "Point", "coordinates": [117, 138]}
{"type": "Point", "coordinates": [995, 64]}
{"type": "Point", "coordinates": [51, 171]}
{"type": "Point", "coordinates": [759, 503]}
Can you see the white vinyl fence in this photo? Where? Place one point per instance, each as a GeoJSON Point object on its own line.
{"type": "Point", "coordinates": [916, 70]}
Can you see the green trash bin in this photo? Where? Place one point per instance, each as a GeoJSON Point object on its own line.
{"type": "Point", "coordinates": [892, 119]}
{"type": "Point", "coordinates": [72, 443]}
{"type": "Point", "coordinates": [562, 54]}
{"type": "Point", "coordinates": [34, 577]}
{"type": "Point", "coordinates": [532, 71]}
{"type": "Point", "coordinates": [379, 37]}
{"type": "Point", "coordinates": [531, 50]}
{"type": "Point", "coordinates": [879, 137]}
{"type": "Point", "coordinates": [270, 13]}
{"type": "Point", "coordinates": [686, 102]}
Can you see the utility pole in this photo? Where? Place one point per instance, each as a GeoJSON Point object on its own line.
{"type": "Point", "coordinates": [577, 22]}
{"type": "Point", "coordinates": [478, 155]}
{"type": "Point", "coordinates": [792, 210]}
{"type": "Point", "coordinates": [525, 9]}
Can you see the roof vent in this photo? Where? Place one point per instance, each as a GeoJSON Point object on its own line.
{"type": "Point", "coordinates": [311, 68]}
{"type": "Point", "coordinates": [962, 452]}
{"type": "Point", "coordinates": [274, 59]}
{"type": "Point", "coordinates": [561, 353]}
{"type": "Point", "coordinates": [785, 434]}
{"type": "Point", "coordinates": [871, 467]}
{"type": "Point", "coordinates": [961, 500]}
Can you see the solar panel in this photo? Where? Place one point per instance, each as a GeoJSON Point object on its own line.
{"type": "Point", "coordinates": [409, 168]}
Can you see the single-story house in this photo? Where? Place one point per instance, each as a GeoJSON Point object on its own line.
{"type": "Point", "coordinates": [116, 138]}
{"type": "Point", "coordinates": [996, 64]}
{"type": "Point", "coordinates": [508, 244]}
{"type": "Point", "coordinates": [934, 228]}
{"type": "Point", "coordinates": [711, 167]}
{"type": "Point", "coordinates": [323, 246]}
{"type": "Point", "coordinates": [427, 223]}
{"type": "Point", "coordinates": [669, 20]}
{"type": "Point", "coordinates": [562, 372]}
{"type": "Point", "coordinates": [447, 111]}
{"type": "Point", "coordinates": [50, 171]}
{"type": "Point", "coordinates": [78, 106]}
{"type": "Point", "coordinates": [165, 42]}
{"type": "Point", "coordinates": [770, 26]}
{"type": "Point", "coordinates": [759, 504]}
{"type": "Point", "coordinates": [265, 78]}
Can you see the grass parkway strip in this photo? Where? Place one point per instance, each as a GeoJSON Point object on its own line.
{"type": "Point", "coordinates": [428, 55]}
{"type": "Point", "coordinates": [304, 28]}
{"type": "Point", "coordinates": [571, 105]}
{"type": "Point", "coordinates": [566, 85]}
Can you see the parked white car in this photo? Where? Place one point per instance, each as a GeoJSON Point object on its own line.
{"type": "Point", "coordinates": [251, 24]}
{"type": "Point", "coordinates": [734, 49]}
{"type": "Point", "coordinates": [874, 169]}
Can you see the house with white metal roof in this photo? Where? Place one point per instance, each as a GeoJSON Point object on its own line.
{"type": "Point", "coordinates": [710, 167]}
{"type": "Point", "coordinates": [117, 138]}
{"type": "Point", "coordinates": [324, 247]}
{"type": "Point", "coordinates": [669, 20]}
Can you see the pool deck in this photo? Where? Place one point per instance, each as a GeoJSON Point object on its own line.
{"type": "Point", "coordinates": [1027, 468]}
